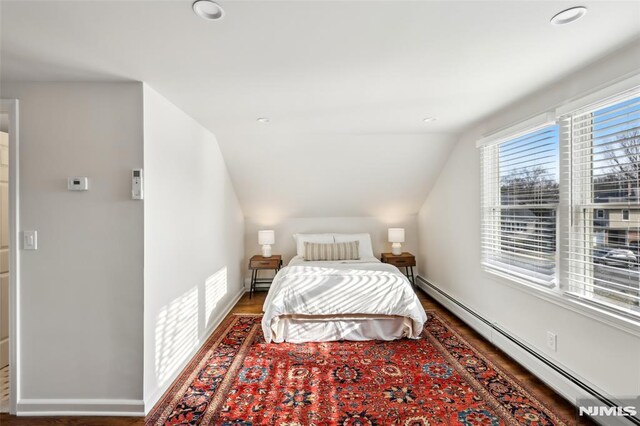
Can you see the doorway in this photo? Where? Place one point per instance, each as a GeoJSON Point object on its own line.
{"type": "Point", "coordinates": [9, 254]}
{"type": "Point", "coordinates": [4, 262]}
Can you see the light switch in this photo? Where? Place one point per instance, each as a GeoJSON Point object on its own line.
{"type": "Point", "coordinates": [30, 240]}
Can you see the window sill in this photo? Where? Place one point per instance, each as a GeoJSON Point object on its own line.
{"type": "Point", "coordinates": [519, 275]}
{"type": "Point", "coordinates": [555, 296]}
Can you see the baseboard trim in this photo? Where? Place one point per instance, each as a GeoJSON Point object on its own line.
{"type": "Point", "coordinates": [556, 377]}
{"type": "Point", "coordinates": [117, 407]}
{"type": "Point", "coordinates": [155, 396]}
{"type": "Point", "coordinates": [80, 407]}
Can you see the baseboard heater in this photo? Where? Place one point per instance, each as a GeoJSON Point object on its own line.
{"type": "Point", "coordinates": [585, 387]}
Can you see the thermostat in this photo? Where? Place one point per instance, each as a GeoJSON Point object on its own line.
{"type": "Point", "coordinates": [77, 183]}
{"type": "Point", "coordinates": [136, 184]}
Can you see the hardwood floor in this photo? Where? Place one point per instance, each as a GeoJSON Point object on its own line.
{"type": "Point", "coordinates": [254, 305]}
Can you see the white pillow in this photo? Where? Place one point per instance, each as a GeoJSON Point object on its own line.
{"type": "Point", "coordinates": [365, 248]}
{"type": "Point", "coordinates": [300, 239]}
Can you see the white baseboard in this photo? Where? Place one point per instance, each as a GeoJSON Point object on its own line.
{"type": "Point", "coordinates": [118, 407]}
{"type": "Point", "coordinates": [80, 407]}
{"type": "Point", "coordinates": [565, 383]}
{"type": "Point", "coordinates": [155, 396]}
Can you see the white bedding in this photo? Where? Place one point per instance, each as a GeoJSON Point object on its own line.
{"type": "Point", "coordinates": [353, 299]}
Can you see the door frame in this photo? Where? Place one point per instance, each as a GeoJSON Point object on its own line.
{"type": "Point", "coordinates": [10, 107]}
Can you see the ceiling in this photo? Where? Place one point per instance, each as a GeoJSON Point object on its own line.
{"type": "Point", "coordinates": [346, 84]}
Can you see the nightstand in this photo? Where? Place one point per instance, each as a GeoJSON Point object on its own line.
{"type": "Point", "coordinates": [258, 263]}
{"type": "Point", "coordinates": [406, 260]}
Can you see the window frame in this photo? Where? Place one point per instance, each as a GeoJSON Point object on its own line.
{"type": "Point", "coordinates": [558, 295]}
{"type": "Point", "coordinates": [570, 291]}
{"type": "Point", "coordinates": [492, 145]}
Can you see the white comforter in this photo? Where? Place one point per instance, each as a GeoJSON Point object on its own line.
{"type": "Point", "coordinates": [328, 289]}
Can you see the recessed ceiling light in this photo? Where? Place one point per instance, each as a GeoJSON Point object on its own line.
{"type": "Point", "coordinates": [429, 119]}
{"type": "Point", "coordinates": [569, 15]}
{"type": "Point", "coordinates": [263, 120]}
{"type": "Point", "coordinates": [207, 9]}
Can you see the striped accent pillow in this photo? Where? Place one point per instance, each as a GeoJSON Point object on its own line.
{"type": "Point", "coordinates": [332, 251]}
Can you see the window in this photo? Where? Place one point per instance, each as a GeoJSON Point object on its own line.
{"type": "Point", "coordinates": [604, 223]}
{"type": "Point", "coordinates": [520, 195]}
{"type": "Point", "coordinates": [561, 203]}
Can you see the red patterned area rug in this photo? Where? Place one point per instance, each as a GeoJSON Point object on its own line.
{"type": "Point", "coordinates": [237, 379]}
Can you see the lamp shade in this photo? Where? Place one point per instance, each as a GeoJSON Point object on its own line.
{"type": "Point", "coordinates": [266, 237]}
{"type": "Point", "coordinates": [396, 235]}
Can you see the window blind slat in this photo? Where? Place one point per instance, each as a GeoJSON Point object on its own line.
{"type": "Point", "coordinates": [617, 136]}
{"type": "Point", "coordinates": [612, 122]}
{"type": "Point", "coordinates": [623, 109]}
{"type": "Point", "coordinates": [533, 147]}
{"type": "Point", "coordinates": [587, 144]}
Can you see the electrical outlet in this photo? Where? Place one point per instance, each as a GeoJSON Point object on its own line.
{"type": "Point", "coordinates": [552, 341]}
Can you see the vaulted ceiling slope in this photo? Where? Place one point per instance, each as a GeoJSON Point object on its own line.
{"type": "Point", "coordinates": [346, 84]}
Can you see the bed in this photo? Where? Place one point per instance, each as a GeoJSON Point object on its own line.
{"type": "Point", "coordinates": [363, 299]}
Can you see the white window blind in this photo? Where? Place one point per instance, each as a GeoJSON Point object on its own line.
{"type": "Point", "coordinates": [520, 195]}
{"type": "Point", "coordinates": [604, 223]}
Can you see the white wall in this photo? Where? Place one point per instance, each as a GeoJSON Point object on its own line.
{"type": "Point", "coordinates": [285, 228]}
{"type": "Point", "coordinates": [81, 291]}
{"type": "Point", "coordinates": [193, 236]}
{"type": "Point", "coordinates": [281, 174]}
{"type": "Point", "coordinates": [449, 227]}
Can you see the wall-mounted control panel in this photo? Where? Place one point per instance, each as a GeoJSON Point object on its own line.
{"type": "Point", "coordinates": [78, 183]}
{"type": "Point", "coordinates": [137, 184]}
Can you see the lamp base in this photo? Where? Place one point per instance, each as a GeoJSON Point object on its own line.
{"type": "Point", "coordinates": [396, 249]}
{"type": "Point", "coordinates": [266, 250]}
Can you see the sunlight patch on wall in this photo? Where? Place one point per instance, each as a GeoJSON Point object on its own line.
{"type": "Point", "coordinates": [215, 288]}
{"type": "Point", "coordinates": [176, 333]}
{"type": "Point", "coordinates": [391, 214]}
{"type": "Point", "coordinates": [269, 215]}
